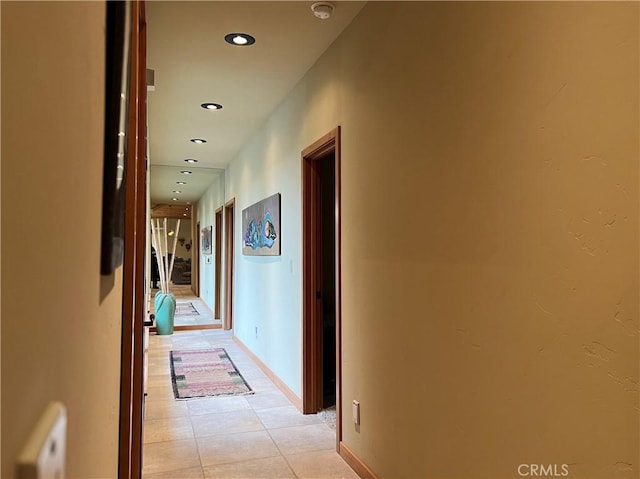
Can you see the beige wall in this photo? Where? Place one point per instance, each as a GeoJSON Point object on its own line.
{"type": "Point", "coordinates": [59, 342]}
{"type": "Point", "coordinates": [489, 233]}
{"type": "Point", "coordinates": [492, 161]}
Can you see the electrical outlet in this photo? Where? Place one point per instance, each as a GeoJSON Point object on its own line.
{"type": "Point", "coordinates": [356, 412]}
{"type": "Point", "coordinates": [43, 456]}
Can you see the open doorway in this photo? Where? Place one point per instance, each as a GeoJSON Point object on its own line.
{"type": "Point", "coordinates": [218, 265]}
{"type": "Point", "coordinates": [195, 277]}
{"type": "Point", "coordinates": [321, 277]}
{"type": "Point", "coordinates": [229, 241]}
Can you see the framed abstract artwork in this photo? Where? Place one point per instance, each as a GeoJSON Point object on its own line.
{"type": "Point", "coordinates": [117, 75]}
{"type": "Point", "coordinates": [261, 228]}
{"type": "Point", "coordinates": [206, 235]}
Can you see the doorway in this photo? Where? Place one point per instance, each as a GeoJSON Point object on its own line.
{"type": "Point", "coordinates": [229, 241]}
{"type": "Point", "coordinates": [218, 265]}
{"type": "Point", "coordinates": [195, 277]}
{"type": "Point", "coordinates": [321, 277]}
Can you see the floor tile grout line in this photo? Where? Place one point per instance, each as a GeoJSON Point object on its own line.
{"type": "Point", "coordinates": [282, 455]}
{"type": "Point", "coordinates": [215, 338]}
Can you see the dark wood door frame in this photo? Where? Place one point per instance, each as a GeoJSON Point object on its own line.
{"type": "Point", "coordinates": [229, 265]}
{"type": "Point", "coordinates": [195, 280]}
{"type": "Point", "coordinates": [312, 317]}
{"type": "Point", "coordinates": [133, 282]}
{"type": "Point", "coordinates": [218, 265]}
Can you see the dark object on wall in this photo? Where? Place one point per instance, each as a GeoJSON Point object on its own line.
{"type": "Point", "coordinates": [206, 235]}
{"type": "Point", "coordinates": [261, 228]}
{"type": "Point", "coordinates": [181, 273]}
{"type": "Point", "coordinates": [117, 65]}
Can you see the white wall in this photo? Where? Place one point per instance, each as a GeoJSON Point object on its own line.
{"type": "Point", "coordinates": [185, 233]}
{"type": "Point", "coordinates": [59, 342]}
{"type": "Point", "coordinates": [489, 235]}
{"type": "Point", "coordinates": [205, 213]}
{"type": "Point", "coordinates": [267, 289]}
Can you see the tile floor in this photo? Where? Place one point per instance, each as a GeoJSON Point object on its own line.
{"type": "Point", "coordinates": [184, 294]}
{"type": "Point", "coordinates": [239, 437]}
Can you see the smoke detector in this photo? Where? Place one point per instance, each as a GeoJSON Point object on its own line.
{"type": "Point", "coordinates": [322, 10]}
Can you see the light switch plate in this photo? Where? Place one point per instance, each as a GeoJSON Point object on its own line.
{"type": "Point", "coordinates": [356, 412]}
{"type": "Point", "coordinates": [43, 455]}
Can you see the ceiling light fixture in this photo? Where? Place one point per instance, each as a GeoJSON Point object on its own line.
{"type": "Point", "coordinates": [322, 10]}
{"type": "Point", "coordinates": [186, 172]}
{"type": "Point", "coordinates": [211, 106]}
{"type": "Point", "coordinates": [239, 39]}
{"type": "Point", "coordinates": [177, 192]}
{"type": "Point", "coordinates": [181, 182]}
{"type": "Point", "coordinates": [191, 160]}
{"type": "Point", "coordinates": [199, 141]}
{"type": "Point", "coordinates": [174, 199]}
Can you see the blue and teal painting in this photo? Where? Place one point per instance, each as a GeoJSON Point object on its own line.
{"type": "Point", "coordinates": [260, 234]}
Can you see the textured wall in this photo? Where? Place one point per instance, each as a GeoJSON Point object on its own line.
{"type": "Point", "coordinates": [205, 211]}
{"type": "Point", "coordinates": [490, 235]}
{"type": "Point", "coordinates": [59, 341]}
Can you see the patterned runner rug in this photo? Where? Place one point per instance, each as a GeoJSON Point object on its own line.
{"type": "Point", "coordinates": [186, 309]}
{"type": "Point", "coordinates": [205, 372]}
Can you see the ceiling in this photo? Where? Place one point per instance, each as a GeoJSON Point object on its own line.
{"type": "Point", "coordinates": [193, 65]}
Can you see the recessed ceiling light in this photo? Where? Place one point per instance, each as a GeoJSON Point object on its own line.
{"type": "Point", "coordinates": [181, 182]}
{"type": "Point", "coordinates": [199, 141]}
{"type": "Point", "coordinates": [211, 106]}
{"type": "Point", "coordinates": [177, 192]}
{"type": "Point", "coordinates": [186, 172]}
{"type": "Point", "coordinates": [174, 199]}
{"type": "Point", "coordinates": [191, 160]}
{"type": "Point", "coordinates": [184, 214]}
{"type": "Point", "coordinates": [239, 39]}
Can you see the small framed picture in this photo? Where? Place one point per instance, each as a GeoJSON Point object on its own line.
{"type": "Point", "coordinates": [205, 236]}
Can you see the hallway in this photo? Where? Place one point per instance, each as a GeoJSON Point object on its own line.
{"type": "Point", "coordinates": [191, 311]}
{"type": "Point", "coordinates": [255, 436]}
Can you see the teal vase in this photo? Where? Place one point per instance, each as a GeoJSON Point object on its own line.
{"type": "Point", "coordinates": [165, 305]}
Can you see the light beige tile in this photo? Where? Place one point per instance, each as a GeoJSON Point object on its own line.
{"type": "Point", "coordinates": [159, 393]}
{"type": "Point", "coordinates": [293, 440]}
{"type": "Point", "coordinates": [218, 452]}
{"type": "Point", "coordinates": [165, 408]}
{"type": "Point", "coordinates": [268, 399]}
{"type": "Point", "coordinates": [191, 473]}
{"type": "Point", "coordinates": [269, 468]}
{"type": "Point", "coordinates": [320, 465]}
{"type": "Point", "coordinates": [159, 365]}
{"type": "Point", "coordinates": [160, 343]}
{"type": "Point", "coordinates": [159, 354]}
{"type": "Point", "coordinates": [236, 447]}
{"type": "Point", "coordinates": [170, 456]}
{"type": "Point", "coordinates": [285, 416]}
{"type": "Point", "coordinates": [169, 429]}
{"type": "Point", "coordinates": [226, 423]}
{"type": "Point", "coordinates": [217, 405]}
{"type": "Point", "coordinates": [262, 385]}
{"type": "Point", "coordinates": [159, 381]}
{"type": "Point", "coordinates": [250, 372]}
{"type": "Point", "coordinates": [184, 344]}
